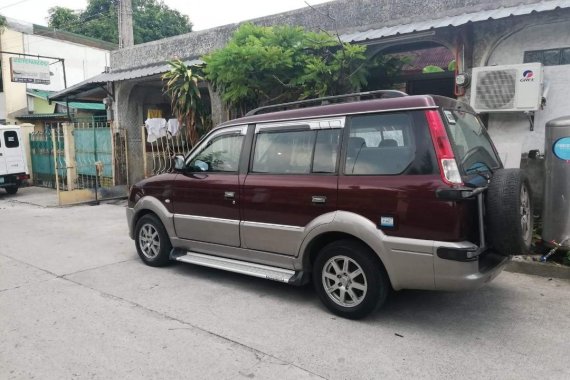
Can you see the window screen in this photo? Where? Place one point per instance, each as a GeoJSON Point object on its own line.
{"type": "Point", "coordinates": [550, 57]}
{"type": "Point", "coordinates": [11, 139]}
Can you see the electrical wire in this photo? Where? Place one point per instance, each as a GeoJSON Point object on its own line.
{"type": "Point", "coordinates": [11, 5]}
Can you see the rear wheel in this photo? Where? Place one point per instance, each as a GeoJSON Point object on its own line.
{"type": "Point", "coordinates": [152, 242]}
{"type": "Point", "coordinates": [509, 213]}
{"type": "Point", "coordinates": [11, 189]}
{"type": "Point", "coordinates": [349, 279]}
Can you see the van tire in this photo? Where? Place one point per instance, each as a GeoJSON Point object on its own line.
{"type": "Point", "coordinates": [509, 213]}
{"type": "Point", "coordinates": [359, 257]}
{"type": "Point", "coordinates": [11, 189]}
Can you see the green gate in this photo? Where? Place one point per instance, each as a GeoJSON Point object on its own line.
{"type": "Point", "coordinates": [93, 154]}
{"type": "Point", "coordinates": [46, 148]}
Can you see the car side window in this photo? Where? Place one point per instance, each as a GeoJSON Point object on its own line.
{"type": "Point", "coordinates": [286, 152]}
{"type": "Point", "coordinates": [380, 144]}
{"type": "Point", "coordinates": [326, 151]}
{"type": "Point", "coordinates": [219, 154]}
{"type": "Point", "coordinates": [11, 139]}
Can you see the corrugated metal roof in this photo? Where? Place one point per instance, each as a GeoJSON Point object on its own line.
{"type": "Point", "coordinates": [140, 72]}
{"type": "Point", "coordinates": [523, 9]}
{"type": "Point", "coordinates": [43, 116]}
{"type": "Point", "coordinates": [144, 71]}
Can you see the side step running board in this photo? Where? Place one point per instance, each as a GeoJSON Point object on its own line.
{"type": "Point", "coordinates": [237, 266]}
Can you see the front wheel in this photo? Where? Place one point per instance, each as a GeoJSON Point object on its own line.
{"type": "Point", "coordinates": [349, 279]}
{"type": "Point", "coordinates": [152, 242]}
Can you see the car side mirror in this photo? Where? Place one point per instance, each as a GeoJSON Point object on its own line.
{"type": "Point", "coordinates": [179, 164]}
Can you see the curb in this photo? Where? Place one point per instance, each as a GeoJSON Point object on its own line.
{"type": "Point", "coordinates": [535, 268]}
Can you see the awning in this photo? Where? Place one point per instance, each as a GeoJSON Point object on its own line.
{"type": "Point", "coordinates": [96, 82]}
{"type": "Point", "coordinates": [36, 116]}
{"type": "Point", "coordinates": [523, 9]}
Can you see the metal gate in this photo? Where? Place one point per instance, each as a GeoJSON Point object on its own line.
{"type": "Point", "coordinates": [83, 161]}
{"type": "Point", "coordinates": [46, 149]}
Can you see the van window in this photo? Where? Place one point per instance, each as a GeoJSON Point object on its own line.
{"type": "Point", "coordinates": [220, 154]}
{"type": "Point", "coordinates": [326, 151]}
{"type": "Point", "coordinates": [380, 144]}
{"type": "Point", "coordinates": [11, 139]}
{"type": "Point", "coordinates": [287, 152]}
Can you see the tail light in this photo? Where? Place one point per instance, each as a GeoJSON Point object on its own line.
{"type": "Point", "coordinates": [445, 157]}
{"type": "Point", "coordinates": [22, 177]}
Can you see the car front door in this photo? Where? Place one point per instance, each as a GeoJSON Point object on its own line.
{"type": "Point", "coordinates": [206, 195]}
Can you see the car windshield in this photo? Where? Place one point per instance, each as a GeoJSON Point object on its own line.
{"type": "Point", "coordinates": [471, 142]}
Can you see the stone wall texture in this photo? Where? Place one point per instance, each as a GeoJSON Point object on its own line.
{"type": "Point", "coordinates": [348, 15]}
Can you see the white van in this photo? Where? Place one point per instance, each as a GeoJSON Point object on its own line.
{"type": "Point", "coordinates": [13, 165]}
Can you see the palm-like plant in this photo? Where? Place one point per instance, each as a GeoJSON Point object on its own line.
{"type": "Point", "coordinates": [181, 85]}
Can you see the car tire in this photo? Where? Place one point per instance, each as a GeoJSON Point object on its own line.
{"type": "Point", "coordinates": [509, 213]}
{"type": "Point", "coordinates": [152, 241]}
{"type": "Point", "coordinates": [349, 280]}
{"type": "Point", "coordinates": [11, 189]}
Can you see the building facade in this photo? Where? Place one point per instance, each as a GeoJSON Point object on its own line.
{"type": "Point", "coordinates": [82, 58]}
{"type": "Point", "coordinates": [478, 33]}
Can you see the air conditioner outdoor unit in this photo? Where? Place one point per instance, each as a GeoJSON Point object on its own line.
{"type": "Point", "coordinates": [507, 88]}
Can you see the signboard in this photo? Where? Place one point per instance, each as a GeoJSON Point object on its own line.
{"type": "Point", "coordinates": [561, 148]}
{"type": "Point", "coordinates": [27, 70]}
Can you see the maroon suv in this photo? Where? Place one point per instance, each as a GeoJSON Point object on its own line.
{"type": "Point", "coordinates": [359, 197]}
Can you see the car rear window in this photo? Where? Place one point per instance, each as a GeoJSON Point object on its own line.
{"type": "Point", "coordinates": [11, 139]}
{"type": "Point", "coordinates": [471, 142]}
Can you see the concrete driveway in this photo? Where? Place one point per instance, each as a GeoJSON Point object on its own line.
{"type": "Point", "coordinates": [76, 302]}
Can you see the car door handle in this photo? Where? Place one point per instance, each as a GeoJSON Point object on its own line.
{"type": "Point", "coordinates": [319, 199]}
{"type": "Point", "coordinates": [229, 195]}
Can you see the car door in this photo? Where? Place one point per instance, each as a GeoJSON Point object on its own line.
{"type": "Point", "coordinates": [291, 181]}
{"type": "Point", "coordinates": [206, 195]}
{"type": "Point", "coordinates": [3, 169]}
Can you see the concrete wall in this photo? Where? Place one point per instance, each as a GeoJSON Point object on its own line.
{"type": "Point", "coordinates": [81, 62]}
{"type": "Point", "coordinates": [348, 15]}
{"type": "Point", "coordinates": [15, 99]}
{"type": "Point", "coordinates": [502, 43]}
{"type": "Point", "coordinates": [41, 105]}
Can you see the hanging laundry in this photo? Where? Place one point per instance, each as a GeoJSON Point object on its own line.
{"type": "Point", "coordinates": [173, 126]}
{"type": "Point", "coordinates": [156, 128]}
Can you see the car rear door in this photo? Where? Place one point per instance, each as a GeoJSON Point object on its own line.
{"type": "Point", "coordinates": [3, 169]}
{"type": "Point", "coordinates": [206, 196]}
{"type": "Point", "coordinates": [291, 181]}
{"type": "Point", "coordinates": [13, 152]}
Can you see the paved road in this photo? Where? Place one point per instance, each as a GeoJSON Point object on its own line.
{"type": "Point", "coordinates": [75, 302]}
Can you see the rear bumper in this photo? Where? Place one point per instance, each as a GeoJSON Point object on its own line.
{"type": "Point", "coordinates": [468, 275]}
{"type": "Point", "coordinates": [12, 179]}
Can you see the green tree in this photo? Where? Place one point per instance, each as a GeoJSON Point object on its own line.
{"type": "Point", "coordinates": [3, 24]}
{"type": "Point", "coordinates": [267, 65]}
{"type": "Point", "coordinates": [181, 85]}
{"type": "Point", "coordinates": [152, 20]}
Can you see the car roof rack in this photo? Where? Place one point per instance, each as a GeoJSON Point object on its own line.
{"type": "Point", "coordinates": [326, 99]}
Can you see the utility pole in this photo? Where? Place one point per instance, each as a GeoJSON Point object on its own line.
{"type": "Point", "coordinates": [126, 38]}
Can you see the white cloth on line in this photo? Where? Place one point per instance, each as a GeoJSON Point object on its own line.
{"type": "Point", "coordinates": [156, 129]}
{"type": "Point", "coordinates": [173, 126]}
